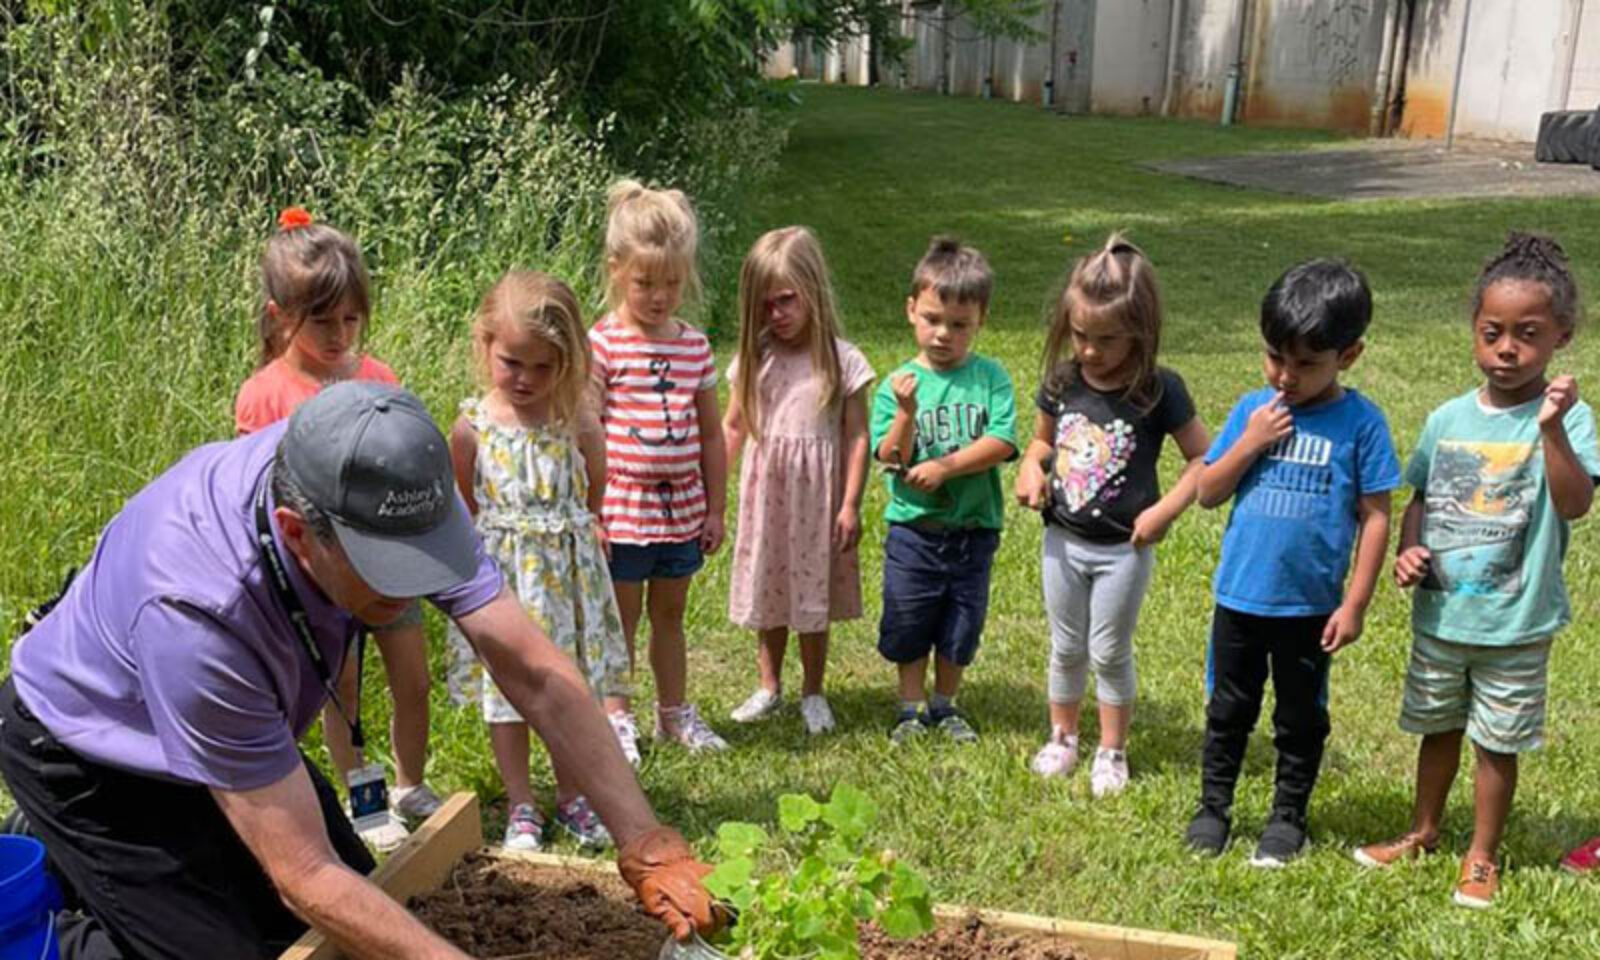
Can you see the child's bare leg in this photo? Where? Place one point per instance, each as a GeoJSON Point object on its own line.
{"type": "Point", "coordinates": [771, 645]}
{"type": "Point", "coordinates": [1114, 719]}
{"type": "Point", "coordinates": [813, 662]}
{"type": "Point", "coordinates": [335, 731]}
{"type": "Point", "coordinates": [1065, 716]}
{"type": "Point", "coordinates": [630, 604]}
{"type": "Point", "coordinates": [946, 677]}
{"type": "Point", "coordinates": [509, 741]}
{"type": "Point", "coordinates": [666, 602]}
{"type": "Point", "coordinates": [913, 680]}
{"type": "Point", "coordinates": [405, 660]}
{"type": "Point", "coordinates": [1438, 758]}
{"type": "Point", "coordinates": [1494, 786]}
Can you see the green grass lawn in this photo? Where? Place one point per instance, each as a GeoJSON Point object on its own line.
{"type": "Point", "coordinates": [875, 174]}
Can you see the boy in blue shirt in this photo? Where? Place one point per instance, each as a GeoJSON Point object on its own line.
{"type": "Point", "coordinates": [1310, 466]}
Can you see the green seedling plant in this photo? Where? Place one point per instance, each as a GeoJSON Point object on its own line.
{"type": "Point", "coordinates": [801, 893]}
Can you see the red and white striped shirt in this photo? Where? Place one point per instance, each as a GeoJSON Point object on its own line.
{"type": "Point", "coordinates": [654, 489]}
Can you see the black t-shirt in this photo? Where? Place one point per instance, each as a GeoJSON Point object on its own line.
{"type": "Point", "coordinates": [1102, 471]}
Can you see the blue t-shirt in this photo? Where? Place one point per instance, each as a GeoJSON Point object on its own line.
{"type": "Point", "coordinates": [1287, 546]}
{"type": "Point", "coordinates": [1497, 541]}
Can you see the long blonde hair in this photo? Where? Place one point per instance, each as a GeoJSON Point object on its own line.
{"type": "Point", "coordinates": [547, 308]}
{"type": "Point", "coordinates": [307, 269]}
{"type": "Point", "coordinates": [1116, 281]}
{"type": "Point", "coordinates": [653, 229]}
{"type": "Point", "coordinates": [789, 256]}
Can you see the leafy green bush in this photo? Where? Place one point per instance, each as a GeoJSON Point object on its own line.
{"type": "Point", "coordinates": [801, 894]}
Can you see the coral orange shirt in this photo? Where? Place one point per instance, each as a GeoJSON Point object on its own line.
{"type": "Point", "coordinates": [274, 391]}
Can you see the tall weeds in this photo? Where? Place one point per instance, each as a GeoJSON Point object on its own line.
{"type": "Point", "coordinates": [137, 196]}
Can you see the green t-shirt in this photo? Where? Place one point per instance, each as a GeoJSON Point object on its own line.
{"type": "Point", "coordinates": [954, 408]}
{"type": "Point", "coordinates": [1496, 539]}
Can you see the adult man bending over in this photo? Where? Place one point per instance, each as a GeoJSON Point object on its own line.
{"type": "Point", "coordinates": [148, 730]}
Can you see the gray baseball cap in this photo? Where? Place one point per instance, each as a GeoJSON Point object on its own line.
{"type": "Point", "coordinates": [370, 456]}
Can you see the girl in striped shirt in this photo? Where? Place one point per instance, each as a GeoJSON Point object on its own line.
{"type": "Point", "coordinates": [666, 469]}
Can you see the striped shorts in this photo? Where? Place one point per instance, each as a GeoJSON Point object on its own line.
{"type": "Point", "coordinates": [1495, 694]}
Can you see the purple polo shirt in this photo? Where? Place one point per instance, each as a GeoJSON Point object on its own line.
{"type": "Point", "coordinates": [170, 656]}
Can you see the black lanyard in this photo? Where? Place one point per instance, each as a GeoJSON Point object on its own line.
{"type": "Point", "coordinates": [279, 578]}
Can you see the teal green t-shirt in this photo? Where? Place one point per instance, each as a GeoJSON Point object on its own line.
{"type": "Point", "coordinates": [1496, 539]}
{"type": "Point", "coordinates": [954, 408]}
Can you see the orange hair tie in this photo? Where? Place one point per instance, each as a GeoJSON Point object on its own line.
{"type": "Point", "coordinates": [293, 218]}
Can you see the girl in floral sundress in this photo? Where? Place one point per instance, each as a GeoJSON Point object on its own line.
{"type": "Point", "coordinates": [531, 469]}
{"type": "Point", "coordinates": [799, 398]}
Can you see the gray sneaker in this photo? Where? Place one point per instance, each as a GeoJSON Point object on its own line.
{"type": "Point", "coordinates": [956, 727]}
{"type": "Point", "coordinates": [908, 725]}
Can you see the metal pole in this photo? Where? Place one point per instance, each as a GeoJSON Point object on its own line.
{"type": "Point", "coordinates": [1455, 89]}
{"type": "Point", "coordinates": [1572, 56]}
{"type": "Point", "coordinates": [1050, 69]}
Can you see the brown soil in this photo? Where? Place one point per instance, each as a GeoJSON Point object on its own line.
{"type": "Point", "coordinates": [503, 909]}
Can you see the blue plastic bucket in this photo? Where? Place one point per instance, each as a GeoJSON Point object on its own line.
{"type": "Point", "coordinates": [28, 899]}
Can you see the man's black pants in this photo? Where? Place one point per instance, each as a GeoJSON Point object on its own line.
{"type": "Point", "coordinates": [1243, 649]}
{"type": "Point", "coordinates": [154, 867]}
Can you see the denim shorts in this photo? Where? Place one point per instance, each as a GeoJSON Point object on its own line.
{"type": "Point", "coordinates": [636, 562]}
{"type": "Point", "coordinates": [935, 592]}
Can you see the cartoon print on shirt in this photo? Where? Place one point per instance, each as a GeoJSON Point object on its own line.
{"type": "Point", "coordinates": [1090, 459]}
{"type": "Point", "coordinates": [1479, 497]}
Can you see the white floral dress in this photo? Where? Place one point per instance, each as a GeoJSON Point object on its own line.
{"type": "Point", "coordinates": [532, 489]}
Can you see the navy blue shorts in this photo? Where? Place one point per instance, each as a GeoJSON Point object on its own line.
{"type": "Point", "coordinates": [636, 562]}
{"type": "Point", "coordinates": [935, 592]}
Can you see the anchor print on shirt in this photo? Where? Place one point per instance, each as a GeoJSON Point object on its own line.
{"type": "Point", "coordinates": [661, 366]}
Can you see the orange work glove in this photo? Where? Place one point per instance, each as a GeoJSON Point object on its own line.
{"type": "Point", "coordinates": [662, 870]}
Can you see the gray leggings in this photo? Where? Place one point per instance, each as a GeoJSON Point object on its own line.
{"type": "Point", "coordinates": [1092, 593]}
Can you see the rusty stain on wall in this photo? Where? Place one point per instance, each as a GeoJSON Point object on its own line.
{"type": "Point", "coordinates": [1427, 111]}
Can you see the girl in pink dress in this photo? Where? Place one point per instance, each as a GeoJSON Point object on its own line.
{"type": "Point", "coordinates": [799, 397]}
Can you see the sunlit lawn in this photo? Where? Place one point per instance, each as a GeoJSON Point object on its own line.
{"type": "Point", "coordinates": [875, 174]}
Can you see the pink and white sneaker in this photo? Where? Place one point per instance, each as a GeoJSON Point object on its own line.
{"type": "Point", "coordinates": [682, 725]}
{"type": "Point", "coordinates": [1059, 755]}
{"type": "Point", "coordinates": [627, 732]}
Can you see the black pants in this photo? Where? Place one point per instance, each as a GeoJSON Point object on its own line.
{"type": "Point", "coordinates": [1243, 647]}
{"type": "Point", "coordinates": [153, 868]}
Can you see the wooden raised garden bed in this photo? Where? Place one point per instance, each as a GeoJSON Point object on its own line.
{"type": "Point", "coordinates": [428, 859]}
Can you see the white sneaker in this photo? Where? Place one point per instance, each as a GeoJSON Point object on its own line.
{"type": "Point", "coordinates": [1109, 775]}
{"type": "Point", "coordinates": [683, 725]}
{"type": "Point", "coordinates": [385, 836]}
{"type": "Point", "coordinates": [525, 829]}
{"type": "Point", "coordinates": [757, 705]}
{"type": "Point", "coordinates": [816, 713]}
{"type": "Point", "coordinates": [627, 735]}
{"type": "Point", "coordinates": [1058, 757]}
{"type": "Point", "coordinates": [414, 803]}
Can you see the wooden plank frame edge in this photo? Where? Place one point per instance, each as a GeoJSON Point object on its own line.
{"type": "Point", "coordinates": [428, 856]}
{"type": "Point", "coordinates": [418, 865]}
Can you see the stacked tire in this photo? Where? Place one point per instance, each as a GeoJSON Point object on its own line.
{"type": "Point", "coordinates": [1569, 136]}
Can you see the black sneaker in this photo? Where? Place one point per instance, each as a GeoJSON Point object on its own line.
{"type": "Point", "coordinates": [953, 725]}
{"type": "Point", "coordinates": [1208, 832]}
{"type": "Point", "coordinates": [1283, 839]}
{"type": "Point", "coordinates": [908, 725]}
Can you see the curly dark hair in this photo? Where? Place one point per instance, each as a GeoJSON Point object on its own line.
{"type": "Point", "coordinates": [1534, 258]}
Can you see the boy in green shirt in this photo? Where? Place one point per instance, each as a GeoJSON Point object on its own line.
{"type": "Point", "coordinates": [941, 424]}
